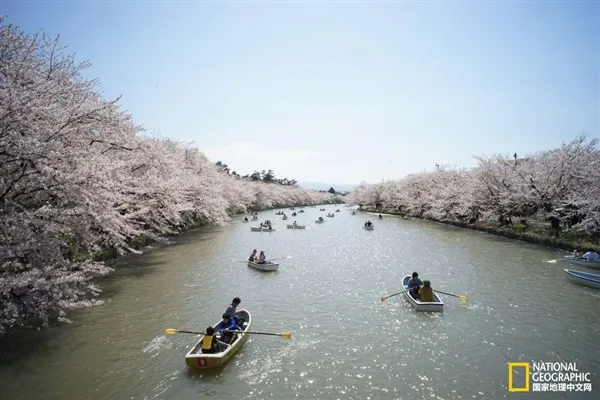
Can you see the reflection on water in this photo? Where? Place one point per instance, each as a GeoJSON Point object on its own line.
{"type": "Point", "coordinates": [346, 344]}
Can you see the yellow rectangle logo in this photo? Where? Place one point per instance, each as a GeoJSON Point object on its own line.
{"type": "Point", "coordinates": [511, 367]}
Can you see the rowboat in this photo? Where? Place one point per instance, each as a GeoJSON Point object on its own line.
{"type": "Point", "coordinates": [301, 211]}
{"type": "Point", "coordinates": [435, 306]}
{"type": "Point", "coordinates": [268, 229]}
{"type": "Point", "coordinates": [319, 221]}
{"type": "Point", "coordinates": [369, 228]}
{"type": "Point", "coordinates": [331, 215]}
{"type": "Point", "coordinates": [337, 210]}
{"type": "Point", "coordinates": [267, 266]}
{"type": "Point", "coordinates": [583, 278]}
{"type": "Point", "coordinates": [245, 220]}
{"type": "Point", "coordinates": [353, 213]}
{"type": "Point", "coordinates": [296, 227]}
{"type": "Point", "coordinates": [279, 213]}
{"type": "Point", "coordinates": [583, 262]}
{"type": "Point", "coordinates": [253, 229]}
{"type": "Point", "coordinates": [285, 217]}
{"type": "Point", "coordinates": [196, 359]}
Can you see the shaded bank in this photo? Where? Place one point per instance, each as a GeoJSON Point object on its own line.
{"type": "Point", "coordinates": [564, 239]}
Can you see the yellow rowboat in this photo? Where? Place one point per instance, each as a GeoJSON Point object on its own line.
{"type": "Point", "coordinates": [196, 359]}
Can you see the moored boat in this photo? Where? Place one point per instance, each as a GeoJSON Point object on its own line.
{"type": "Point", "coordinates": [583, 262]}
{"type": "Point", "coordinates": [196, 359]}
{"type": "Point", "coordinates": [583, 278]}
{"type": "Point", "coordinates": [435, 306]}
{"type": "Point", "coordinates": [291, 226]}
{"type": "Point", "coordinates": [267, 266]}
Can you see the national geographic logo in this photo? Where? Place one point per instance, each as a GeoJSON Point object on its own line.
{"type": "Point", "coordinates": [550, 377]}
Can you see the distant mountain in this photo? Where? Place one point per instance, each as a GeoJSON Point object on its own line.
{"type": "Point", "coordinates": [340, 187]}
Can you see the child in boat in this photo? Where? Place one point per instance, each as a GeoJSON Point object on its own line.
{"type": "Point", "coordinates": [232, 310]}
{"type": "Point", "coordinates": [210, 344]}
{"type": "Point", "coordinates": [228, 324]}
{"type": "Point", "coordinates": [413, 285]}
{"type": "Point", "coordinates": [252, 256]}
{"type": "Point", "coordinates": [426, 292]}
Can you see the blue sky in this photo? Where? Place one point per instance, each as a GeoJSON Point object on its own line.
{"type": "Point", "coordinates": [341, 92]}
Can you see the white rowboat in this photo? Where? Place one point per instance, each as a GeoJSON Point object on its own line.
{"type": "Point", "coordinates": [583, 278]}
{"type": "Point", "coordinates": [267, 266]}
{"type": "Point", "coordinates": [583, 262]}
{"type": "Point", "coordinates": [435, 306]}
{"type": "Point", "coordinates": [296, 227]}
{"type": "Point", "coordinates": [369, 228]}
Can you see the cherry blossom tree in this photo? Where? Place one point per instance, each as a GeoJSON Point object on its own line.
{"type": "Point", "coordinates": [79, 177]}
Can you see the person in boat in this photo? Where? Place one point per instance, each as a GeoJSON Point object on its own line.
{"type": "Point", "coordinates": [295, 223]}
{"type": "Point", "coordinates": [426, 292]}
{"type": "Point", "coordinates": [414, 284]}
{"type": "Point", "coordinates": [232, 310]}
{"type": "Point", "coordinates": [262, 258]}
{"type": "Point", "coordinates": [380, 216]}
{"type": "Point", "coordinates": [228, 324]}
{"type": "Point", "coordinates": [252, 256]}
{"type": "Point", "coordinates": [591, 255]}
{"type": "Point", "coordinates": [246, 219]}
{"type": "Point", "coordinates": [321, 219]}
{"type": "Point", "coordinates": [210, 343]}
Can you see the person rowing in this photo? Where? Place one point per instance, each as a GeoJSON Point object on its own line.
{"type": "Point", "coordinates": [252, 256]}
{"type": "Point", "coordinates": [413, 285]}
{"type": "Point", "coordinates": [228, 324]}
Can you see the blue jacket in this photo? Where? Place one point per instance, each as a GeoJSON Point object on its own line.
{"type": "Point", "coordinates": [232, 326]}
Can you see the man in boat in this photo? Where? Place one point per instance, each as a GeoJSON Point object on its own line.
{"type": "Point", "coordinates": [228, 324]}
{"type": "Point", "coordinates": [246, 219]}
{"type": "Point", "coordinates": [252, 256]}
{"type": "Point", "coordinates": [210, 344]}
{"type": "Point", "coordinates": [232, 310]}
{"type": "Point", "coordinates": [262, 258]}
{"type": "Point", "coordinates": [295, 223]}
{"type": "Point", "coordinates": [426, 292]}
{"type": "Point", "coordinates": [321, 219]}
{"type": "Point", "coordinates": [591, 255]}
{"type": "Point", "coordinates": [414, 284]}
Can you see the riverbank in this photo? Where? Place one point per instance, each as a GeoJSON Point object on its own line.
{"type": "Point", "coordinates": [563, 239]}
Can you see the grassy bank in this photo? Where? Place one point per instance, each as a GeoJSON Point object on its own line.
{"type": "Point", "coordinates": [532, 232]}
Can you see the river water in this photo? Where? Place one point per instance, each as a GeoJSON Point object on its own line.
{"type": "Point", "coordinates": [347, 343]}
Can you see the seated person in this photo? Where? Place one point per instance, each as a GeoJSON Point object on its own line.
{"type": "Point", "coordinates": [252, 256]}
{"type": "Point", "coordinates": [591, 255]}
{"type": "Point", "coordinates": [414, 284]}
{"type": "Point", "coordinates": [426, 292]}
{"type": "Point", "coordinates": [228, 324]}
{"type": "Point", "coordinates": [262, 258]}
{"type": "Point", "coordinates": [210, 344]}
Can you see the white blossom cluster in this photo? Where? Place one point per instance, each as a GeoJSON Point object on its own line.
{"type": "Point", "coordinates": [561, 184]}
{"type": "Point", "coordinates": [78, 176]}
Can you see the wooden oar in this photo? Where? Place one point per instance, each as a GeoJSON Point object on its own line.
{"type": "Point", "coordinates": [458, 296]}
{"type": "Point", "coordinates": [287, 335]}
{"type": "Point", "coordinates": [384, 298]}
{"type": "Point", "coordinates": [272, 259]}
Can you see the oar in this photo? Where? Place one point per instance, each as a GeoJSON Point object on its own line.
{"type": "Point", "coordinates": [287, 335]}
{"type": "Point", "coordinates": [458, 296]}
{"type": "Point", "coordinates": [384, 298]}
{"type": "Point", "coordinates": [280, 258]}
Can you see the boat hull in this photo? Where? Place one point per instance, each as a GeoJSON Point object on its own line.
{"type": "Point", "coordinates": [319, 222]}
{"type": "Point", "coordinates": [583, 263]}
{"type": "Point", "coordinates": [369, 228]}
{"type": "Point", "coordinates": [197, 360]}
{"type": "Point", "coordinates": [583, 278]}
{"type": "Point", "coordinates": [434, 306]}
{"type": "Point", "coordinates": [268, 266]}
{"type": "Point", "coordinates": [296, 227]}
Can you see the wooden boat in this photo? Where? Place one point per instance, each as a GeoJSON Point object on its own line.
{"type": "Point", "coordinates": [253, 229]}
{"type": "Point", "coordinates": [267, 266]}
{"type": "Point", "coordinates": [369, 228]}
{"type": "Point", "coordinates": [435, 306]}
{"type": "Point", "coordinates": [291, 226]}
{"type": "Point", "coordinates": [583, 278]}
{"type": "Point", "coordinates": [196, 359]}
{"type": "Point", "coordinates": [319, 221]}
{"type": "Point", "coordinates": [583, 262]}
